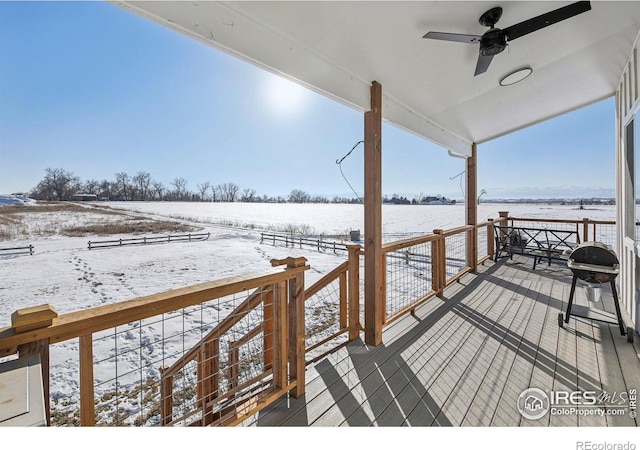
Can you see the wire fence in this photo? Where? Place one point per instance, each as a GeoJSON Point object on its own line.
{"type": "Point", "coordinates": [408, 276]}
{"type": "Point", "coordinates": [131, 363]}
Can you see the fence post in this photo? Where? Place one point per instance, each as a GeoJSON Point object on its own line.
{"type": "Point", "coordinates": [279, 308]}
{"type": "Point", "coordinates": [297, 361]}
{"type": "Point", "coordinates": [28, 319]}
{"type": "Point", "coordinates": [343, 293]}
{"type": "Point", "coordinates": [439, 263]}
{"type": "Point", "coordinates": [30, 249]}
{"type": "Point", "coordinates": [490, 239]}
{"type": "Point", "coordinates": [353, 298]}
{"type": "Point", "coordinates": [504, 216]}
{"type": "Point", "coordinates": [585, 230]}
{"type": "Point", "coordinates": [166, 397]}
{"type": "Point", "coordinates": [87, 395]}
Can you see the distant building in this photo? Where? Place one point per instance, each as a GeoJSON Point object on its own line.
{"type": "Point", "coordinates": [85, 198]}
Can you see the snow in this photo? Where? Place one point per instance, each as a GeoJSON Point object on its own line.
{"type": "Point", "coordinates": [66, 274]}
{"type": "Point", "coordinates": [14, 199]}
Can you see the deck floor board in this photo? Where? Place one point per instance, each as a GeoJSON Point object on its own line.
{"type": "Point", "coordinates": [464, 359]}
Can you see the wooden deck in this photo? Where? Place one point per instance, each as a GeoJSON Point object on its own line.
{"type": "Point", "coordinates": [463, 359]}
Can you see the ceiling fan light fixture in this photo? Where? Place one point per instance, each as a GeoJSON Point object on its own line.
{"type": "Point", "coordinates": [516, 76]}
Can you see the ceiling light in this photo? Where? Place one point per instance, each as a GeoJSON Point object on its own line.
{"type": "Point", "coordinates": [516, 76]}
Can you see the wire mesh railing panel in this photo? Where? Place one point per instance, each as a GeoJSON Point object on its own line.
{"type": "Point", "coordinates": [217, 354]}
{"type": "Point", "coordinates": [605, 233]}
{"type": "Point", "coordinates": [408, 277]}
{"type": "Point", "coordinates": [325, 317]}
{"type": "Point", "coordinates": [483, 238]}
{"type": "Point", "coordinates": [456, 254]}
{"type": "Point", "coordinates": [64, 377]}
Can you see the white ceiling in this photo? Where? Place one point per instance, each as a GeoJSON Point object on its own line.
{"type": "Point", "coordinates": [338, 48]}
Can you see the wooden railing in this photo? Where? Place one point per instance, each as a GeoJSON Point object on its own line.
{"type": "Point", "coordinates": [279, 292]}
{"type": "Point", "coordinates": [419, 268]}
{"type": "Point", "coordinates": [587, 229]}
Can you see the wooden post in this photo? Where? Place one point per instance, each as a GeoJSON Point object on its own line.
{"type": "Point", "coordinates": [269, 328]}
{"type": "Point", "coordinates": [33, 318]}
{"type": "Point", "coordinates": [166, 397]}
{"type": "Point", "coordinates": [344, 299]}
{"type": "Point", "coordinates": [354, 291]}
{"type": "Point", "coordinates": [585, 230]}
{"type": "Point", "coordinates": [373, 290]}
{"type": "Point", "coordinates": [472, 208]}
{"type": "Point", "coordinates": [504, 218]}
{"type": "Point", "coordinates": [87, 397]}
{"type": "Point", "coordinates": [491, 247]}
{"type": "Point", "coordinates": [439, 263]}
{"type": "Point", "coordinates": [297, 361]}
{"type": "Point", "coordinates": [280, 335]}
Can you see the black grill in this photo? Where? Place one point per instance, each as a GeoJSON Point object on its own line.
{"type": "Point", "coordinates": [595, 263]}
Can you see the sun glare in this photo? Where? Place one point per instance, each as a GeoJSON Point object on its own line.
{"type": "Point", "coordinates": [284, 96]}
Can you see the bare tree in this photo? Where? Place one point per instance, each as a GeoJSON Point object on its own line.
{"type": "Point", "coordinates": [180, 188]}
{"type": "Point", "coordinates": [229, 192]}
{"type": "Point", "coordinates": [215, 193]}
{"type": "Point", "coordinates": [58, 184]}
{"type": "Point", "coordinates": [203, 189]}
{"type": "Point", "coordinates": [158, 189]}
{"type": "Point", "coordinates": [142, 181]}
{"type": "Point", "coordinates": [91, 187]}
{"type": "Point", "coordinates": [123, 185]}
{"type": "Point", "coordinates": [248, 195]}
{"type": "Point", "coordinates": [299, 196]}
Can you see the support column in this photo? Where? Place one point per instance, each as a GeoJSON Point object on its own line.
{"type": "Point", "coordinates": [472, 208]}
{"type": "Point", "coordinates": [374, 302]}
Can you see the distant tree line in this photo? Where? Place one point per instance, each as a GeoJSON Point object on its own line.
{"type": "Point", "coordinates": [61, 185]}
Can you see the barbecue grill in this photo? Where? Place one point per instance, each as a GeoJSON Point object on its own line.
{"type": "Point", "coordinates": [595, 264]}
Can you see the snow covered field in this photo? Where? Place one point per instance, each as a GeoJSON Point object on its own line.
{"type": "Point", "coordinates": [66, 274]}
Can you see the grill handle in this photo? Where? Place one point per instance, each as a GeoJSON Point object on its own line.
{"type": "Point", "coordinates": [615, 269]}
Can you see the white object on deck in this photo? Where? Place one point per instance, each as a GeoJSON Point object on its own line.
{"type": "Point", "coordinates": [21, 393]}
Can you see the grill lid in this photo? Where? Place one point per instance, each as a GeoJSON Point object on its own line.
{"type": "Point", "coordinates": [594, 262]}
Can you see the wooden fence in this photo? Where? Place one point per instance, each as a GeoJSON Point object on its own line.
{"type": "Point", "coordinates": [149, 240]}
{"type": "Point", "coordinates": [319, 244]}
{"type": "Point", "coordinates": [17, 250]}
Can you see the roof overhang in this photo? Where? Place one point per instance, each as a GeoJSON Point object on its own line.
{"type": "Point", "coordinates": [338, 48]}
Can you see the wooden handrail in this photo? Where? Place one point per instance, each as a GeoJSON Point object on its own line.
{"type": "Point", "coordinates": [409, 242]}
{"type": "Point", "coordinates": [326, 280]}
{"type": "Point", "coordinates": [458, 230]}
{"type": "Point", "coordinates": [80, 323]}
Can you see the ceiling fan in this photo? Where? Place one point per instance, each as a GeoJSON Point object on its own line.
{"type": "Point", "coordinates": [495, 40]}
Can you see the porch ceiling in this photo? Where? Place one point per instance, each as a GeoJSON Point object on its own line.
{"type": "Point", "coordinates": [338, 48]}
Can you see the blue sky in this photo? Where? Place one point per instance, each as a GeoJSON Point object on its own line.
{"type": "Point", "coordinates": [95, 90]}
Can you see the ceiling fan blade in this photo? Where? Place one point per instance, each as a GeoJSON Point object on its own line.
{"type": "Point", "coordinates": [482, 64]}
{"type": "Point", "coordinates": [544, 20]}
{"type": "Point", "coordinates": [466, 38]}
